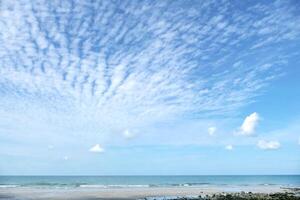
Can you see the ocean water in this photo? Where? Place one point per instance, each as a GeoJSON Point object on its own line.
{"type": "Point", "coordinates": [146, 181]}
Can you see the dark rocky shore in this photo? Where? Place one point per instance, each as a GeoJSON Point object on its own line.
{"type": "Point", "coordinates": [295, 195]}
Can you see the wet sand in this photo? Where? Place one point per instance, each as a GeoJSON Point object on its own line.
{"type": "Point", "coordinates": [125, 193]}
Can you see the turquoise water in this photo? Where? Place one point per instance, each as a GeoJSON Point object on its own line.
{"type": "Point", "coordinates": [145, 181]}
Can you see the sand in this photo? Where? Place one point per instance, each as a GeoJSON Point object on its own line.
{"type": "Point", "coordinates": [124, 193]}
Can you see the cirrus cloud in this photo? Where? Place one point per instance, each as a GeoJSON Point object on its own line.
{"type": "Point", "coordinates": [132, 64]}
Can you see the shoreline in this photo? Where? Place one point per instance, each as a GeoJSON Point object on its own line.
{"type": "Point", "coordinates": [131, 193]}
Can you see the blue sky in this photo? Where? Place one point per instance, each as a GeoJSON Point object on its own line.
{"type": "Point", "coordinates": [149, 87]}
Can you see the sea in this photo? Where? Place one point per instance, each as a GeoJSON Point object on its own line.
{"type": "Point", "coordinates": [147, 181]}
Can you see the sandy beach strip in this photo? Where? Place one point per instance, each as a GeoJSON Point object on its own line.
{"type": "Point", "coordinates": [124, 193]}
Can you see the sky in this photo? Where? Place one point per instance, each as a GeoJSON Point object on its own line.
{"type": "Point", "coordinates": [149, 87]}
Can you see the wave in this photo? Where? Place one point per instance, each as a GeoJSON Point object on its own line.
{"type": "Point", "coordinates": [181, 185]}
{"type": "Point", "coordinates": [171, 197]}
{"type": "Point", "coordinates": [268, 184]}
{"type": "Point", "coordinates": [54, 185]}
{"type": "Point", "coordinates": [112, 186]}
{"type": "Point", "coordinates": [87, 185]}
{"type": "Point", "coordinates": [92, 185]}
{"type": "Point", "coordinates": [9, 186]}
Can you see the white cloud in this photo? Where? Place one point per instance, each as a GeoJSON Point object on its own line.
{"type": "Point", "coordinates": [128, 134]}
{"type": "Point", "coordinates": [249, 125]}
{"type": "Point", "coordinates": [155, 79]}
{"type": "Point", "coordinates": [229, 147]}
{"type": "Point", "coordinates": [96, 149]}
{"type": "Point", "coordinates": [66, 158]}
{"type": "Point", "coordinates": [151, 71]}
{"type": "Point", "coordinates": [50, 146]}
{"type": "Point", "coordinates": [268, 145]}
{"type": "Point", "coordinates": [212, 130]}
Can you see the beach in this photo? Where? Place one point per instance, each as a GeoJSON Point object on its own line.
{"type": "Point", "coordinates": [20, 193]}
{"type": "Point", "coordinates": [140, 187]}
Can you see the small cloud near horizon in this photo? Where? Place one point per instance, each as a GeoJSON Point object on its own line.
{"type": "Point", "coordinates": [212, 130]}
{"type": "Point", "coordinates": [96, 149]}
{"type": "Point", "coordinates": [229, 147]}
{"type": "Point", "coordinates": [128, 134]}
{"type": "Point", "coordinates": [268, 145]}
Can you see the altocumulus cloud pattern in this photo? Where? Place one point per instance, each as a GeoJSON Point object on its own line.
{"type": "Point", "coordinates": [127, 63]}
